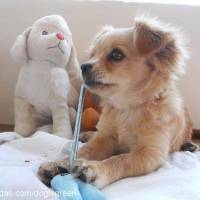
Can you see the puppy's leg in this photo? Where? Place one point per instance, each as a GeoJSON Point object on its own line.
{"type": "Point", "coordinates": [25, 123]}
{"type": "Point", "coordinates": [61, 121]}
{"type": "Point", "coordinates": [102, 173]}
{"type": "Point", "coordinates": [98, 148]}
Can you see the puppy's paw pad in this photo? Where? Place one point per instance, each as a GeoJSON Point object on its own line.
{"type": "Point", "coordinates": [47, 171]}
{"type": "Point", "coordinates": [46, 167]}
{"type": "Point", "coordinates": [190, 146]}
{"type": "Point", "coordinates": [88, 175]}
{"type": "Point", "coordinates": [85, 170]}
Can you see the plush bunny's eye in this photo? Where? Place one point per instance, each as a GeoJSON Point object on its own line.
{"type": "Point", "coordinates": [44, 33]}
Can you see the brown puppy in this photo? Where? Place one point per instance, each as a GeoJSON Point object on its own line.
{"type": "Point", "coordinates": [134, 70]}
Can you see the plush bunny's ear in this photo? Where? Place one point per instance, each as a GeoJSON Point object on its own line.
{"type": "Point", "coordinates": [73, 69]}
{"type": "Point", "coordinates": [19, 48]}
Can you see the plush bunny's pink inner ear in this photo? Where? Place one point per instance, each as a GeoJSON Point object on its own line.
{"type": "Point", "coordinates": [19, 48]}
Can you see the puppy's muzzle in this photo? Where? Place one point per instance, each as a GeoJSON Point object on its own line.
{"type": "Point", "coordinates": [86, 69]}
{"type": "Point", "coordinates": [88, 75]}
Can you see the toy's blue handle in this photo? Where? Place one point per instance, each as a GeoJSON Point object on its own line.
{"type": "Point", "coordinates": [69, 188]}
{"type": "Point", "coordinates": [66, 187]}
{"type": "Point", "coordinates": [89, 192]}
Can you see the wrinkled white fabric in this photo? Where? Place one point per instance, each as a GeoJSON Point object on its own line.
{"type": "Point", "coordinates": [178, 179]}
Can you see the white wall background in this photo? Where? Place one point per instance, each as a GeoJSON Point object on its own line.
{"type": "Point", "coordinates": [85, 19]}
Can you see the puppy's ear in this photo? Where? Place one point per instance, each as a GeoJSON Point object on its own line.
{"type": "Point", "coordinates": [73, 69]}
{"type": "Point", "coordinates": [161, 44]}
{"type": "Point", "coordinates": [103, 31]}
{"type": "Point", "coordinates": [148, 39]}
{"type": "Point", "coordinates": [19, 48]}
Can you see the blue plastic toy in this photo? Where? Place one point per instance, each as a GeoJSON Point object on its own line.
{"type": "Point", "coordinates": [68, 187]}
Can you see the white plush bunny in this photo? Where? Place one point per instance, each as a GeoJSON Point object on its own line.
{"type": "Point", "coordinates": [49, 80]}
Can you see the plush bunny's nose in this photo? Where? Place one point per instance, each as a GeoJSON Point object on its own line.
{"type": "Point", "coordinates": [60, 36]}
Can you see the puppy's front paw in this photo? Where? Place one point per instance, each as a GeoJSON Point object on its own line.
{"type": "Point", "coordinates": [190, 146]}
{"type": "Point", "coordinates": [90, 172]}
{"type": "Point", "coordinates": [50, 169]}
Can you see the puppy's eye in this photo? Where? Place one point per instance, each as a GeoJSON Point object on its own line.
{"type": "Point", "coordinates": [116, 55]}
{"type": "Point", "coordinates": [44, 33]}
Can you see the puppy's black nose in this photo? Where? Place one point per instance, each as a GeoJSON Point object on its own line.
{"type": "Point", "coordinates": [86, 68]}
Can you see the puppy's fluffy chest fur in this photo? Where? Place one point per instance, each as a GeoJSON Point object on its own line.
{"type": "Point", "coordinates": [126, 124]}
{"type": "Point", "coordinates": [133, 127]}
{"type": "Point", "coordinates": [40, 84]}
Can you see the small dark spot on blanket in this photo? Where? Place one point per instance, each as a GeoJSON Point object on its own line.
{"type": "Point", "coordinates": [27, 161]}
{"type": "Point", "coordinates": [2, 141]}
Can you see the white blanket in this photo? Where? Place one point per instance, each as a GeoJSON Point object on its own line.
{"type": "Point", "coordinates": [178, 179]}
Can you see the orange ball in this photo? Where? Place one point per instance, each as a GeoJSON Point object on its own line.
{"type": "Point", "coordinates": [91, 101]}
{"type": "Point", "coordinates": [90, 117]}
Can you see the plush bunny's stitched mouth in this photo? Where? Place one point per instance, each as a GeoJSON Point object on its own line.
{"type": "Point", "coordinates": [57, 46]}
